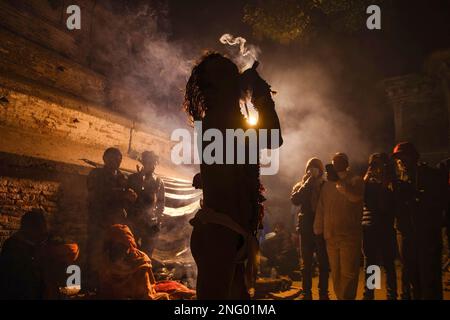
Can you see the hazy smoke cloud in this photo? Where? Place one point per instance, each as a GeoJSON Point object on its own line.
{"type": "Point", "coordinates": [313, 125]}
{"type": "Point", "coordinates": [148, 72]}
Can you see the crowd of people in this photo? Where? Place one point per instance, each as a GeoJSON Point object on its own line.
{"type": "Point", "coordinates": [343, 214]}
{"type": "Point", "coordinates": [131, 206]}
{"type": "Point", "coordinates": [124, 218]}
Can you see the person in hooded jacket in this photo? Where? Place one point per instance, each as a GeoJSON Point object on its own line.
{"type": "Point", "coordinates": [338, 218]}
{"type": "Point", "coordinates": [305, 194]}
{"type": "Point", "coordinates": [378, 223]}
{"type": "Point", "coordinates": [420, 194]}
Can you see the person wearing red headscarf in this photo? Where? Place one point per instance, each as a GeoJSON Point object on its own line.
{"type": "Point", "coordinates": [126, 272]}
{"type": "Point", "coordinates": [420, 200]}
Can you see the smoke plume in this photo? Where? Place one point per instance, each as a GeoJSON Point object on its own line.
{"type": "Point", "coordinates": [248, 53]}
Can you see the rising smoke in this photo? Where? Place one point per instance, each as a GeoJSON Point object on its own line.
{"type": "Point", "coordinates": [248, 53]}
{"type": "Point", "coordinates": [147, 71]}
{"type": "Point", "coordinates": [313, 125]}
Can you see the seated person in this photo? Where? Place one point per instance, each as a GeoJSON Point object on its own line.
{"type": "Point", "coordinates": [125, 271]}
{"type": "Point", "coordinates": [21, 274]}
{"type": "Point", "coordinates": [57, 255]}
{"type": "Point", "coordinates": [279, 251]}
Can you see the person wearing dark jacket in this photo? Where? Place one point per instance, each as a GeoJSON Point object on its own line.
{"type": "Point", "coordinates": [420, 200]}
{"type": "Point", "coordinates": [378, 223]}
{"type": "Point", "coordinates": [21, 274]}
{"type": "Point", "coordinates": [108, 198]}
{"type": "Point", "coordinates": [223, 241]}
{"type": "Point", "coordinates": [306, 195]}
{"type": "Point", "coordinates": [146, 212]}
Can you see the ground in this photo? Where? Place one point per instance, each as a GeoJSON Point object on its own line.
{"type": "Point", "coordinates": [379, 294]}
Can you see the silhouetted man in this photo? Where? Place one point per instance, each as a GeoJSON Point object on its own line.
{"type": "Point", "coordinates": [306, 195]}
{"type": "Point", "coordinates": [378, 223]}
{"type": "Point", "coordinates": [338, 218]}
{"type": "Point", "coordinates": [108, 198]}
{"type": "Point", "coordinates": [224, 236]}
{"type": "Point", "coordinates": [420, 199]}
{"type": "Point", "coordinates": [21, 275]}
{"type": "Point", "coordinates": [146, 212]}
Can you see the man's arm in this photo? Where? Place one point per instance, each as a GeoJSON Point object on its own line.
{"type": "Point", "coordinates": [267, 116]}
{"type": "Point", "coordinates": [352, 189]}
{"type": "Point", "coordinates": [301, 192]}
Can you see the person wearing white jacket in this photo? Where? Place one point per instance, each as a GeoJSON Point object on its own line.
{"type": "Point", "coordinates": [338, 218]}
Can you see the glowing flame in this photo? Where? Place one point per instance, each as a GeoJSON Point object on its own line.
{"type": "Point", "coordinates": [252, 120]}
{"type": "Point", "coordinates": [249, 111]}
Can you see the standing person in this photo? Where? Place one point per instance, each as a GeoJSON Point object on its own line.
{"type": "Point", "coordinates": [378, 222]}
{"type": "Point", "coordinates": [223, 240]}
{"type": "Point", "coordinates": [306, 195]}
{"type": "Point", "coordinates": [146, 212]}
{"type": "Point", "coordinates": [338, 218]}
{"type": "Point", "coordinates": [420, 200]}
{"type": "Point", "coordinates": [108, 198]}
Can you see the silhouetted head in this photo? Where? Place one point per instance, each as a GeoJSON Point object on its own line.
{"type": "Point", "coordinates": [213, 85]}
{"type": "Point", "coordinates": [406, 153]}
{"type": "Point", "coordinates": [34, 225]}
{"type": "Point", "coordinates": [379, 167]}
{"type": "Point", "coordinates": [149, 160]}
{"type": "Point", "coordinates": [112, 157]}
{"type": "Point", "coordinates": [340, 162]}
{"type": "Point", "coordinates": [312, 165]}
{"type": "Point", "coordinates": [119, 242]}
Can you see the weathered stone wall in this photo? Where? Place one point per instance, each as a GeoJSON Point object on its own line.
{"type": "Point", "coordinates": [44, 22]}
{"type": "Point", "coordinates": [17, 195]}
{"type": "Point", "coordinates": [96, 128]}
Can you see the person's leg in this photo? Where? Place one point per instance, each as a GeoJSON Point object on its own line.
{"type": "Point", "coordinates": [94, 250]}
{"type": "Point", "coordinates": [238, 287]}
{"type": "Point", "coordinates": [410, 263]}
{"type": "Point", "coordinates": [333, 258]}
{"type": "Point", "coordinates": [430, 266]}
{"type": "Point", "coordinates": [324, 267]}
{"type": "Point", "coordinates": [350, 253]}
{"type": "Point", "coordinates": [307, 250]}
{"type": "Point", "coordinates": [214, 249]}
{"type": "Point", "coordinates": [369, 245]}
{"type": "Point", "coordinates": [405, 281]}
{"type": "Point", "coordinates": [387, 247]}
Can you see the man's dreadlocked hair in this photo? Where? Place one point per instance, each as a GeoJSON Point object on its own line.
{"type": "Point", "coordinates": [195, 101]}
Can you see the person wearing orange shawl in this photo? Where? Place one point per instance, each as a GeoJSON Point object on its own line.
{"type": "Point", "coordinates": [126, 272]}
{"type": "Point", "coordinates": [56, 256]}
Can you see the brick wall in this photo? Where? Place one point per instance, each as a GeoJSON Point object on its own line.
{"type": "Point", "coordinates": [17, 195]}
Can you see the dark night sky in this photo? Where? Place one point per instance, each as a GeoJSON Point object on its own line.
{"type": "Point", "coordinates": [417, 28]}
